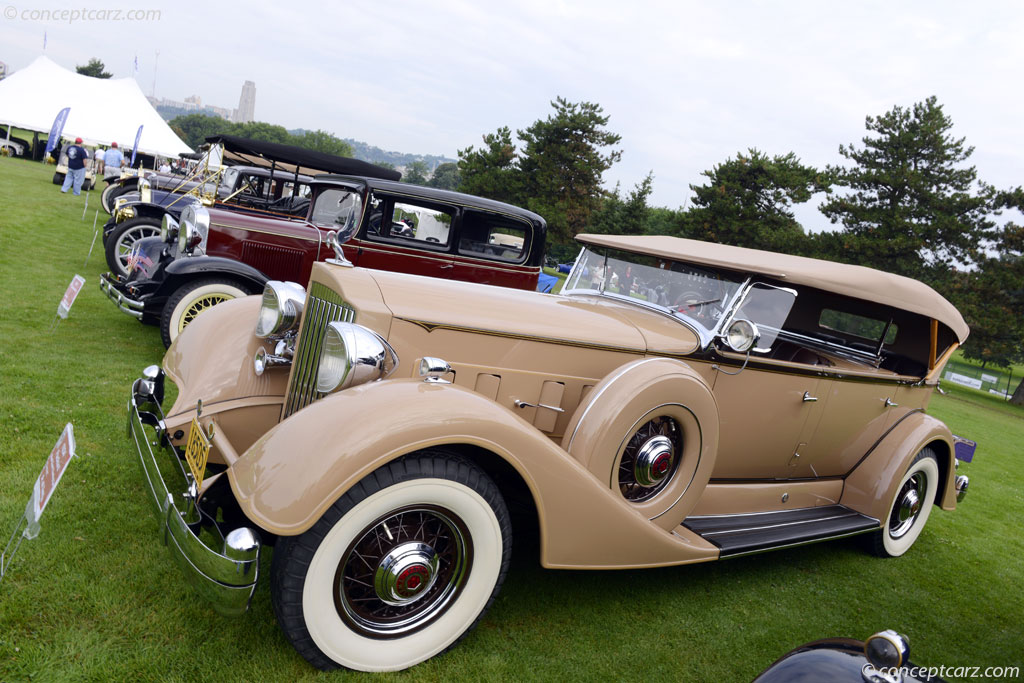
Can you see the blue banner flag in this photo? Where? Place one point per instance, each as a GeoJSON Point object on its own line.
{"type": "Point", "coordinates": [135, 147]}
{"type": "Point", "coordinates": [56, 130]}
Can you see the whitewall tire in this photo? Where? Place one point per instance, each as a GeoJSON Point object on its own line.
{"type": "Point", "coordinates": [192, 299]}
{"type": "Point", "coordinates": [398, 570]}
{"type": "Point", "coordinates": [910, 507]}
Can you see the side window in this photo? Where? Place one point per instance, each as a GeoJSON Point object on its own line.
{"type": "Point", "coordinates": [402, 221]}
{"type": "Point", "coordinates": [494, 236]}
{"type": "Point", "coordinates": [337, 208]}
{"type": "Point", "coordinates": [854, 325]}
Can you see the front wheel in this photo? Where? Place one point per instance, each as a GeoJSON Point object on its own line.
{"type": "Point", "coordinates": [398, 570]}
{"type": "Point", "coordinates": [910, 508]}
{"type": "Point", "coordinates": [122, 239]}
{"type": "Point", "coordinates": [192, 299]}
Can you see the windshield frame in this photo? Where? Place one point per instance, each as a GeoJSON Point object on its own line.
{"type": "Point", "coordinates": [705, 334]}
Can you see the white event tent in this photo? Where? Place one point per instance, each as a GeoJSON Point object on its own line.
{"type": "Point", "coordinates": [102, 110]}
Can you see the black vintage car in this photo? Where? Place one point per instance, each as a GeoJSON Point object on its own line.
{"type": "Point", "coordinates": [265, 176]}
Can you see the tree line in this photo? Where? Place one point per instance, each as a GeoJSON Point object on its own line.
{"type": "Point", "coordinates": [904, 201]}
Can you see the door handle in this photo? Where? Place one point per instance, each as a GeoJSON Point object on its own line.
{"type": "Point", "coordinates": [889, 403]}
{"type": "Point", "coordinates": [808, 398]}
{"type": "Point", "coordinates": [447, 266]}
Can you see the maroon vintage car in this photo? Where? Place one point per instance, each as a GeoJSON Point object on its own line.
{"type": "Point", "coordinates": [214, 254]}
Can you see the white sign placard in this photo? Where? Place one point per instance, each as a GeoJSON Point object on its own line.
{"type": "Point", "coordinates": [48, 479]}
{"type": "Point", "coordinates": [963, 380]}
{"type": "Point", "coordinates": [992, 379]}
{"type": "Point", "coordinates": [77, 282]}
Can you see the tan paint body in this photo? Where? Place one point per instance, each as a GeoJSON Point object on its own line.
{"type": "Point", "coordinates": [604, 364]}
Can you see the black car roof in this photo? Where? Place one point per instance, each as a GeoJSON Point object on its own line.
{"type": "Point", "coordinates": [265, 172]}
{"type": "Point", "coordinates": [302, 157]}
{"type": "Point", "coordinates": [433, 193]}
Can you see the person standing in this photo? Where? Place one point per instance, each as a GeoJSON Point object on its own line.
{"type": "Point", "coordinates": [77, 156]}
{"type": "Point", "coordinates": [98, 161]}
{"type": "Point", "coordinates": [112, 160]}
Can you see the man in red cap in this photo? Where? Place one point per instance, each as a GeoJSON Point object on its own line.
{"type": "Point", "coordinates": [112, 160]}
{"type": "Point", "coordinates": [77, 156]}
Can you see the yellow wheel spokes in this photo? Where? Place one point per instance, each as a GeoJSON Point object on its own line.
{"type": "Point", "coordinates": [200, 305]}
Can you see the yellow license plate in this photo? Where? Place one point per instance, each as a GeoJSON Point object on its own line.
{"type": "Point", "coordinates": [197, 451]}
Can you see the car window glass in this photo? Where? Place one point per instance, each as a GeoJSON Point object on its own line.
{"type": "Point", "coordinates": [493, 236]}
{"type": "Point", "coordinates": [403, 221]}
{"type": "Point", "coordinates": [857, 325]}
{"type": "Point", "coordinates": [767, 307]}
{"type": "Point", "coordinates": [227, 179]}
{"type": "Point", "coordinates": [336, 208]}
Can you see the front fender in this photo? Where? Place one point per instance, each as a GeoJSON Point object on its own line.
{"type": "Point", "coordinates": [148, 209]}
{"type": "Point", "coordinates": [190, 267]}
{"type": "Point", "coordinates": [290, 476]}
{"type": "Point", "coordinates": [871, 487]}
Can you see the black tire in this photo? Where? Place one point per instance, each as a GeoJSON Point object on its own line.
{"type": "Point", "coordinates": [438, 491]}
{"type": "Point", "coordinates": [122, 238]}
{"type": "Point", "coordinates": [58, 178]}
{"type": "Point", "coordinates": [910, 507]}
{"type": "Point", "coordinates": [192, 298]}
{"type": "Point", "coordinates": [86, 185]}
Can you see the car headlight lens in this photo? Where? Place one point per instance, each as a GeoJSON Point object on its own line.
{"type": "Point", "coordinates": [742, 335]}
{"type": "Point", "coordinates": [168, 228]}
{"type": "Point", "coordinates": [194, 227]}
{"type": "Point", "coordinates": [282, 308]}
{"type": "Point", "coordinates": [185, 234]}
{"type": "Point", "coordinates": [352, 355]}
{"type": "Point", "coordinates": [887, 650]}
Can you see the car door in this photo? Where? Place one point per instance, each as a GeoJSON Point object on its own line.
{"type": "Point", "coordinates": [406, 234]}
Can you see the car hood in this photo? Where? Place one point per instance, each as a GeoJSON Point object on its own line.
{"type": "Point", "coordinates": [586, 321]}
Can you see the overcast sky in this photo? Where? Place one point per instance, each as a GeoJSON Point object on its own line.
{"type": "Point", "coordinates": [686, 84]}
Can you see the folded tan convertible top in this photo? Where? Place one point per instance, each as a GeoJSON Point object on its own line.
{"type": "Point", "coordinates": [853, 281]}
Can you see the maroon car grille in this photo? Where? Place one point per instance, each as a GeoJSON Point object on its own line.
{"type": "Point", "coordinates": [278, 263]}
{"type": "Point", "coordinates": [323, 306]}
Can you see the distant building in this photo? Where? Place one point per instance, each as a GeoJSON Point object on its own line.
{"type": "Point", "coordinates": [246, 111]}
{"type": "Point", "coordinates": [3, 71]}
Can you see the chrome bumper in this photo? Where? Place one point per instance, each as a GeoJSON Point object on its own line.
{"type": "Point", "coordinates": [227, 578]}
{"type": "Point", "coordinates": [132, 307]}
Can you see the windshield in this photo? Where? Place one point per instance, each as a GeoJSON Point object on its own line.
{"type": "Point", "coordinates": [227, 179]}
{"type": "Point", "coordinates": [698, 295]}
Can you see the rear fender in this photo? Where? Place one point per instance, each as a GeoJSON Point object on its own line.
{"type": "Point", "coordinates": [290, 476]}
{"type": "Point", "coordinates": [871, 487]}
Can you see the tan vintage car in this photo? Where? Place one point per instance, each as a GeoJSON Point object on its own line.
{"type": "Point", "coordinates": [678, 402]}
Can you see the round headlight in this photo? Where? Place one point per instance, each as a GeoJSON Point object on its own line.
{"type": "Point", "coordinates": [185, 234]}
{"type": "Point", "coordinates": [353, 355]}
{"type": "Point", "coordinates": [168, 228]}
{"type": "Point", "coordinates": [887, 650]}
{"type": "Point", "coordinates": [742, 335]}
{"type": "Point", "coordinates": [282, 308]}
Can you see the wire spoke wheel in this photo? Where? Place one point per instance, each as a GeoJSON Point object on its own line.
{"type": "Point", "coordinates": [650, 459]}
{"type": "Point", "coordinates": [200, 305]}
{"type": "Point", "coordinates": [403, 571]}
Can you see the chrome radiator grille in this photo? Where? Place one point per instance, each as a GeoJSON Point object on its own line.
{"type": "Point", "coordinates": [323, 306]}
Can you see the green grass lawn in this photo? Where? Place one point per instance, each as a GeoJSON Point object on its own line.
{"type": "Point", "coordinates": [97, 597]}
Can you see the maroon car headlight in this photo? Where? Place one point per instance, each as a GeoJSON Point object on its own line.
{"type": "Point", "coordinates": [351, 355]}
{"type": "Point", "coordinates": [281, 309]}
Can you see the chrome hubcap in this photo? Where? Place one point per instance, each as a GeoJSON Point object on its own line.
{"type": "Point", "coordinates": [908, 505]}
{"type": "Point", "coordinates": [406, 573]}
{"type": "Point", "coordinates": [654, 461]}
{"type": "Point", "coordinates": [650, 459]}
{"type": "Point", "coordinates": [403, 571]}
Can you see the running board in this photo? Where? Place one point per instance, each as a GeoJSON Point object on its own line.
{"type": "Point", "coordinates": [757, 532]}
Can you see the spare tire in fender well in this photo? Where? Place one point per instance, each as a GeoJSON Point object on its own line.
{"type": "Point", "coordinates": [625, 412]}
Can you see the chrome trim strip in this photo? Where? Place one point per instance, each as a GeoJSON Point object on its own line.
{"type": "Point", "coordinates": [797, 544]}
{"type": "Point", "coordinates": [318, 240]}
{"type": "Point", "coordinates": [814, 520]}
{"type": "Point", "coordinates": [590, 402]}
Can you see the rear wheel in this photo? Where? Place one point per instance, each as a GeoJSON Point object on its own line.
{"type": "Point", "coordinates": [192, 299]}
{"type": "Point", "coordinates": [398, 570]}
{"type": "Point", "coordinates": [58, 178]}
{"type": "Point", "coordinates": [910, 507]}
{"type": "Point", "coordinates": [122, 239]}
